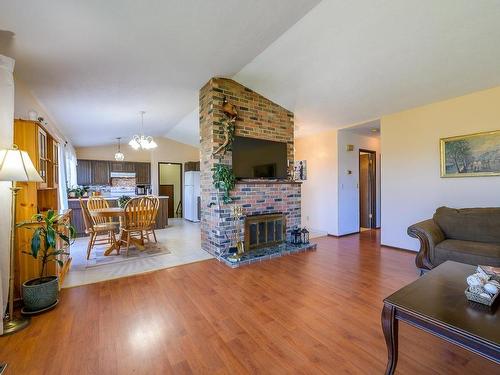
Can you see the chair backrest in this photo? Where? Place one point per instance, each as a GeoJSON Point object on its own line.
{"type": "Point", "coordinates": [87, 219]}
{"type": "Point", "coordinates": [139, 213]}
{"type": "Point", "coordinates": [95, 203]}
{"type": "Point", "coordinates": [156, 207]}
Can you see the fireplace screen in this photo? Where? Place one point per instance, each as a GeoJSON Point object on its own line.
{"type": "Point", "coordinates": [264, 230]}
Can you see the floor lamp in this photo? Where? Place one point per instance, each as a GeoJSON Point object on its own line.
{"type": "Point", "coordinates": [15, 166]}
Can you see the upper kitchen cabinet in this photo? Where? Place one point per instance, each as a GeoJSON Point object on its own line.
{"type": "Point", "coordinates": [143, 173]}
{"type": "Point", "coordinates": [128, 166]}
{"type": "Point", "coordinates": [100, 172]}
{"type": "Point", "coordinates": [122, 166]}
{"type": "Point", "coordinates": [84, 172]}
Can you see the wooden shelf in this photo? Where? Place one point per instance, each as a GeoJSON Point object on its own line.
{"type": "Point", "coordinates": [42, 147]}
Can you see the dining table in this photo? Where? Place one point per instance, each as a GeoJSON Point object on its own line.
{"type": "Point", "coordinates": [111, 213]}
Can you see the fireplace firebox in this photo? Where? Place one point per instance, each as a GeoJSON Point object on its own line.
{"type": "Point", "coordinates": [264, 230]}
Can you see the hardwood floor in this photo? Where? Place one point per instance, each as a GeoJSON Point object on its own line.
{"type": "Point", "coordinates": [311, 313]}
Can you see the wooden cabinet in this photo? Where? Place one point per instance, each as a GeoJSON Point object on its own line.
{"type": "Point", "coordinates": [122, 166]}
{"type": "Point", "coordinates": [116, 166]}
{"type": "Point", "coordinates": [42, 156]}
{"type": "Point", "coordinates": [143, 173]}
{"type": "Point", "coordinates": [100, 172]}
{"type": "Point", "coordinates": [33, 198]}
{"type": "Point", "coordinates": [83, 172]}
{"type": "Point", "coordinates": [53, 164]}
{"type": "Point", "coordinates": [128, 166]}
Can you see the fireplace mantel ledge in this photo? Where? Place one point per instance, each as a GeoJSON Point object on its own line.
{"type": "Point", "coordinates": [267, 182]}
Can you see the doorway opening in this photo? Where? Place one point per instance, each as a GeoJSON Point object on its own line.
{"type": "Point", "coordinates": [367, 189]}
{"type": "Point", "coordinates": [170, 184]}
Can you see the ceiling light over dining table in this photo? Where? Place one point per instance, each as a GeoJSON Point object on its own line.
{"type": "Point", "coordinates": [119, 155]}
{"type": "Point", "coordinates": [140, 141]}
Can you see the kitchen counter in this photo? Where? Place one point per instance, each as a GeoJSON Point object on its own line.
{"type": "Point", "coordinates": [77, 218]}
{"type": "Point", "coordinates": [108, 198]}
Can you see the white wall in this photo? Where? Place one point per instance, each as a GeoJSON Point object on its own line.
{"type": "Point", "coordinates": [348, 198]}
{"type": "Point", "coordinates": [320, 190]}
{"type": "Point", "coordinates": [169, 150]}
{"type": "Point", "coordinates": [107, 152]}
{"type": "Point", "coordinates": [6, 138]}
{"type": "Point", "coordinates": [26, 101]}
{"type": "Point", "coordinates": [411, 185]}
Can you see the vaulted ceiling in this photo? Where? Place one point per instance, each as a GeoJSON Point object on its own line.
{"type": "Point", "coordinates": [95, 64]}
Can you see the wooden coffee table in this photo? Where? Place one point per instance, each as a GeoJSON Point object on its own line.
{"type": "Point", "coordinates": [436, 303]}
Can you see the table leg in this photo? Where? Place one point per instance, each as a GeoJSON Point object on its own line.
{"type": "Point", "coordinates": [390, 329]}
{"type": "Point", "coordinates": [115, 245]}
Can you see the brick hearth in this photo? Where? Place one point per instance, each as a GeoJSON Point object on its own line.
{"type": "Point", "coordinates": [260, 118]}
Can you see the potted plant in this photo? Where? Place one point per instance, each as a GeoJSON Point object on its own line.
{"type": "Point", "coordinates": [122, 201]}
{"type": "Point", "coordinates": [224, 181]}
{"type": "Point", "coordinates": [43, 291]}
{"type": "Point", "coordinates": [72, 193]}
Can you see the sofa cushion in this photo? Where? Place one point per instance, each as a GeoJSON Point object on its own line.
{"type": "Point", "coordinates": [469, 252]}
{"type": "Point", "coordinates": [469, 224]}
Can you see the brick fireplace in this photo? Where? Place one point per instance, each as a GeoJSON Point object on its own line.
{"type": "Point", "coordinates": [259, 118]}
{"type": "Point", "coordinates": [264, 230]}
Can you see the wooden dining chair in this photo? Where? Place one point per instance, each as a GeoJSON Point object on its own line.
{"type": "Point", "coordinates": [156, 207]}
{"type": "Point", "coordinates": [94, 203]}
{"type": "Point", "coordinates": [137, 220]}
{"type": "Point", "coordinates": [96, 230]}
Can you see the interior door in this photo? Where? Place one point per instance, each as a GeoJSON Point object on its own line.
{"type": "Point", "coordinates": [168, 190]}
{"type": "Point", "coordinates": [367, 190]}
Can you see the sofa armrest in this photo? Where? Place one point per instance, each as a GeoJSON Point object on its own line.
{"type": "Point", "coordinates": [429, 234]}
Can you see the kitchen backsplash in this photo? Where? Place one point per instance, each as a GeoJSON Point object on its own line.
{"type": "Point", "coordinates": [123, 182]}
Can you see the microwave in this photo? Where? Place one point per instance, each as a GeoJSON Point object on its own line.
{"type": "Point", "coordinates": [142, 190]}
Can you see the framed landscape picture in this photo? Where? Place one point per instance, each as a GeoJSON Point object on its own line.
{"type": "Point", "coordinates": [471, 155]}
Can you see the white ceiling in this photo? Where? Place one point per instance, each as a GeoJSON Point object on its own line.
{"type": "Point", "coordinates": [95, 64]}
{"type": "Point", "coordinates": [348, 62]}
{"type": "Point", "coordinates": [345, 62]}
{"type": "Point", "coordinates": [367, 129]}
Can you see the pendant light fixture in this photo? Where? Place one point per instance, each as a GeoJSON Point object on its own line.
{"type": "Point", "coordinates": [119, 155]}
{"type": "Point", "coordinates": [141, 141]}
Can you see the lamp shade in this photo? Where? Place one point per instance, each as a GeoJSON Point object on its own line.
{"type": "Point", "coordinates": [16, 165]}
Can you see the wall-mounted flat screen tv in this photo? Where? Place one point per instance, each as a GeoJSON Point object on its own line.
{"type": "Point", "coordinates": [258, 158]}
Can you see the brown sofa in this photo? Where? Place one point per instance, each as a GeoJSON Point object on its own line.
{"type": "Point", "coordinates": [467, 235]}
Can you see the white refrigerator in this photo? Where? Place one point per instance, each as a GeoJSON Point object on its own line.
{"type": "Point", "coordinates": [191, 196]}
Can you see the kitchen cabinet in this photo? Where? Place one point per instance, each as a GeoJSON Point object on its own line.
{"type": "Point", "coordinates": [84, 172]}
{"type": "Point", "coordinates": [116, 166]}
{"type": "Point", "coordinates": [100, 172]}
{"type": "Point", "coordinates": [128, 166]}
{"type": "Point", "coordinates": [122, 166]}
{"type": "Point", "coordinates": [143, 173]}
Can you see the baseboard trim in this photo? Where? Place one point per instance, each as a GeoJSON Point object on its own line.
{"type": "Point", "coordinates": [399, 248]}
{"type": "Point", "coordinates": [342, 235]}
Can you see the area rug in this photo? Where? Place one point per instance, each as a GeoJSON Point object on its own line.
{"type": "Point", "coordinates": [99, 259]}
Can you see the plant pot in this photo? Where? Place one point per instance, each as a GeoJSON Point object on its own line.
{"type": "Point", "coordinates": [72, 195]}
{"type": "Point", "coordinates": [40, 293]}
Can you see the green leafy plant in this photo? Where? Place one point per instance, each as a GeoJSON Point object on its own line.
{"type": "Point", "coordinates": [78, 191]}
{"type": "Point", "coordinates": [44, 244]}
{"type": "Point", "coordinates": [224, 180]}
{"type": "Point", "coordinates": [122, 201]}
